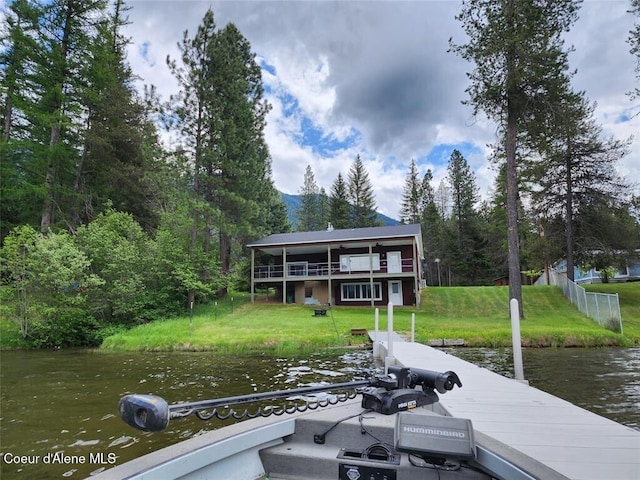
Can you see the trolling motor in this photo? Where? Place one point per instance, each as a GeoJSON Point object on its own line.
{"type": "Point", "coordinates": [404, 395]}
{"type": "Point", "coordinates": [387, 394]}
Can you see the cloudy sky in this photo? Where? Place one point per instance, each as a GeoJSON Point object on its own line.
{"type": "Point", "coordinates": [374, 78]}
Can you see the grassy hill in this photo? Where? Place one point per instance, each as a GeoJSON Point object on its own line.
{"type": "Point", "coordinates": [629, 298]}
{"type": "Point", "coordinates": [479, 315]}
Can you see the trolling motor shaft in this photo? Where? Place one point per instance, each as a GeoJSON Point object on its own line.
{"type": "Point", "coordinates": [386, 394]}
{"type": "Point", "coordinates": [152, 413]}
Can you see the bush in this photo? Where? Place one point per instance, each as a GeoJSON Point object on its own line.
{"type": "Point", "coordinates": [71, 328]}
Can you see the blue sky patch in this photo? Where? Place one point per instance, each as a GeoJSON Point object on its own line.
{"type": "Point", "coordinates": [310, 134]}
{"type": "Point", "coordinates": [321, 143]}
{"type": "Point", "coordinates": [267, 67]}
{"type": "Point", "coordinates": [440, 154]}
{"type": "Point", "coordinates": [144, 53]}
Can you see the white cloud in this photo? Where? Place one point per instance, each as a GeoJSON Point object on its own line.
{"type": "Point", "coordinates": [376, 78]}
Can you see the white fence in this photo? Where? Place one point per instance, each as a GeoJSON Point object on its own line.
{"type": "Point", "coordinates": [604, 308]}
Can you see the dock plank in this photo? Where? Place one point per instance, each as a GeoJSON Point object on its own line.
{"type": "Point", "coordinates": [571, 440]}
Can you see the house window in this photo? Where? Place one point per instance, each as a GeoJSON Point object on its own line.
{"type": "Point", "coordinates": [297, 269]}
{"type": "Point", "coordinates": [353, 292]}
{"type": "Point", "coordinates": [359, 263]}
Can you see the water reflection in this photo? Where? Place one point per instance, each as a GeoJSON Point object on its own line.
{"type": "Point", "coordinates": [65, 402]}
{"type": "Point", "coordinates": [605, 381]}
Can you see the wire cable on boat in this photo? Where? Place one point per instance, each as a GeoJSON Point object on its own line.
{"type": "Point", "coordinates": [320, 438]}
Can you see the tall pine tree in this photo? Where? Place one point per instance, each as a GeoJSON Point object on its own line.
{"type": "Point", "coordinates": [309, 213]}
{"type": "Point", "coordinates": [223, 123]}
{"type": "Point", "coordinates": [411, 208]}
{"type": "Point", "coordinates": [432, 230]}
{"type": "Point", "coordinates": [113, 165]}
{"type": "Point", "coordinates": [339, 206]}
{"type": "Point", "coordinates": [361, 196]}
{"type": "Point", "coordinates": [577, 171]}
{"type": "Point", "coordinates": [521, 68]}
{"type": "Point", "coordinates": [467, 259]}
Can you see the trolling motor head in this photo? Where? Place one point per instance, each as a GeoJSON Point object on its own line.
{"type": "Point", "coordinates": [442, 382]}
{"type": "Point", "coordinates": [144, 412]}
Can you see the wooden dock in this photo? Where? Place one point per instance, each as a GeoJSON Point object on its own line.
{"type": "Point", "coordinates": [575, 443]}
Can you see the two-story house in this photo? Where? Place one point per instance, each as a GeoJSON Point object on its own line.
{"type": "Point", "coordinates": [359, 266]}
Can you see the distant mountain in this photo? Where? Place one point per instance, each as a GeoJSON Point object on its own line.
{"type": "Point", "coordinates": [292, 203]}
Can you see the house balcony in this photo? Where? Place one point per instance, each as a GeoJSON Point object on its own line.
{"type": "Point", "coordinates": [325, 270]}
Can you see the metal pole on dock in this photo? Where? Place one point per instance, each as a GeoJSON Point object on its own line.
{"type": "Point", "coordinates": [413, 327]}
{"type": "Point", "coordinates": [516, 341]}
{"type": "Point", "coordinates": [376, 340]}
{"type": "Point", "coordinates": [389, 360]}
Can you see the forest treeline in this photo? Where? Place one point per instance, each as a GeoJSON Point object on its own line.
{"type": "Point", "coordinates": [104, 226]}
{"type": "Point", "coordinates": [94, 206]}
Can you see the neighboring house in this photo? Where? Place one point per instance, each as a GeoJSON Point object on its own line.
{"type": "Point", "coordinates": [359, 266]}
{"type": "Point", "coordinates": [628, 274]}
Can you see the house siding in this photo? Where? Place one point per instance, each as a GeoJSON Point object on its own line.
{"type": "Point", "coordinates": [304, 272]}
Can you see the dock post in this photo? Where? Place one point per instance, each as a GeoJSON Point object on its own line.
{"type": "Point", "coordinates": [376, 340]}
{"type": "Point", "coordinates": [389, 360]}
{"type": "Point", "coordinates": [516, 341]}
{"type": "Point", "coordinates": [413, 327]}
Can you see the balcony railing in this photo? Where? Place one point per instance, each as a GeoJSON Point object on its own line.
{"type": "Point", "coordinates": [321, 269]}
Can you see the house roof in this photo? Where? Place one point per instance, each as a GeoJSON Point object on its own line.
{"type": "Point", "coordinates": [340, 236]}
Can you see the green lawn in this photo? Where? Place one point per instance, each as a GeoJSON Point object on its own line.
{"type": "Point", "coordinates": [479, 315]}
{"type": "Point", "coordinates": [629, 297]}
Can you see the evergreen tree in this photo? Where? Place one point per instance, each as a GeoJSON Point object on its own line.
{"type": "Point", "coordinates": [222, 118]}
{"type": "Point", "coordinates": [308, 216]}
{"type": "Point", "coordinates": [432, 230]}
{"type": "Point", "coordinates": [278, 218]}
{"type": "Point", "coordinates": [46, 55]}
{"type": "Point", "coordinates": [21, 165]}
{"type": "Point", "coordinates": [65, 42]}
{"type": "Point", "coordinates": [494, 215]}
{"type": "Point", "coordinates": [463, 189]}
{"type": "Point", "coordinates": [323, 206]}
{"type": "Point", "coordinates": [361, 196]}
{"type": "Point", "coordinates": [16, 57]}
{"type": "Point", "coordinates": [112, 168]}
{"type": "Point", "coordinates": [467, 253]}
{"type": "Point", "coordinates": [72, 117]}
{"type": "Point", "coordinates": [194, 114]}
{"type": "Point", "coordinates": [520, 70]}
{"type": "Point", "coordinates": [577, 169]}
{"type": "Point", "coordinates": [339, 206]}
{"type": "Point", "coordinates": [607, 235]}
{"type": "Point", "coordinates": [411, 208]}
{"type": "Point", "coordinates": [242, 163]}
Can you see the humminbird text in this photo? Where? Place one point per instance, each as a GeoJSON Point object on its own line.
{"type": "Point", "coordinates": [433, 431]}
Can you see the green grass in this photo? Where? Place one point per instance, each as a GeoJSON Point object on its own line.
{"type": "Point", "coordinates": [629, 298]}
{"type": "Point", "coordinates": [479, 315]}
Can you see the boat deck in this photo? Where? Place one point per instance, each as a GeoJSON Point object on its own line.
{"type": "Point", "coordinates": [572, 441]}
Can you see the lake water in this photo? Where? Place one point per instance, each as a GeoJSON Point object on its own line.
{"type": "Point", "coordinates": [65, 402]}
